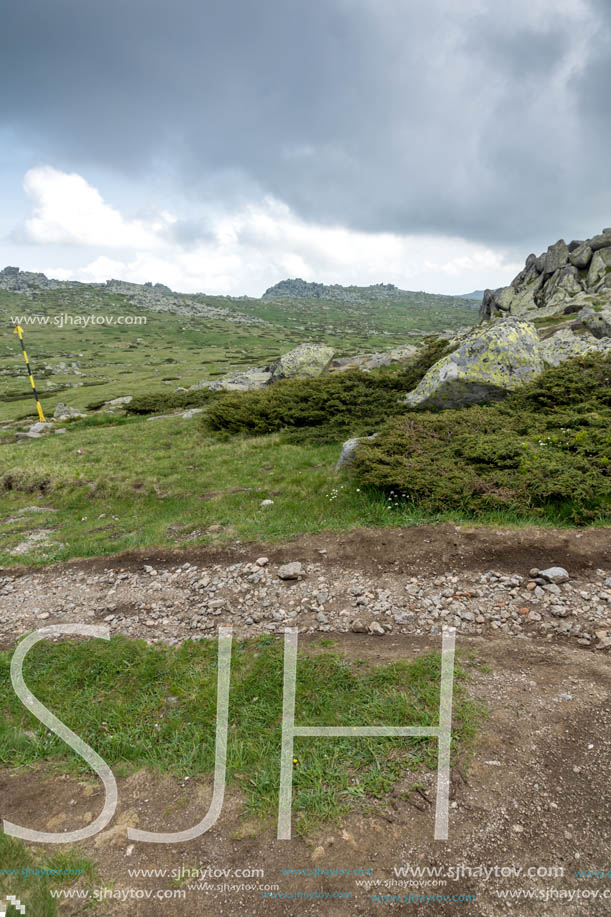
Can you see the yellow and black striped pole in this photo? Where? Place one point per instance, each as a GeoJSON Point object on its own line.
{"type": "Point", "coordinates": [19, 331]}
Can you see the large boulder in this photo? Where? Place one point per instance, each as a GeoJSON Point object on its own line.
{"type": "Point", "coordinates": [306, 361]}
{"type": "Point", "coordinates": [488, 364]}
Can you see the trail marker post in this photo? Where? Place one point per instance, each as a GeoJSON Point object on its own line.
{"type": "Point", "coordinates": [19, 331]}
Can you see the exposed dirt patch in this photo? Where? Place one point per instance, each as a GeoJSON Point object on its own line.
{"type": "Point", "coordinates": [415, 550]}
{"type": "Point", "coordinates": [534, 794]}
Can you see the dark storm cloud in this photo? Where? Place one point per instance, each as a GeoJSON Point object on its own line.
{"type": "Point", "coordinates": [472, 119]}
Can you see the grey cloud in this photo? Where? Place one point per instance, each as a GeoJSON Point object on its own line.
{"type": "Point", "coordinates": [376, 114]}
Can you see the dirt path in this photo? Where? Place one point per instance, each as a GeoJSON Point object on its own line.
{"type": "Point", "coordinates": [386, 581]}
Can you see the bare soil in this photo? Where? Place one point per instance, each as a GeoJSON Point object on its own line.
{"type": "Point", "coordinates": [418, 549]}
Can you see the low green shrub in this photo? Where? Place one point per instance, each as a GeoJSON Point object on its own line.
{"type": "Point", "coordinates": [584, 381]}
{"type": "Point", "coordinates": [547, 447]}
{"type": "Point", "coordinates": [333, 404]}
{"type": "Point", "coordinates": [162, 402]}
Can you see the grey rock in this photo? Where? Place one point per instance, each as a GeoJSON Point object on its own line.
{"type": "Point", "coordinates": [563, 345]}
{"type": "Point", "coordinates": [241, 381]}
{"type": "Point", "coordinates": [376, 629]}
{"type": "Point", "coordinates": [40, 427]}
{"type": "Point", "coordinates": [118, 402]}
{"type": "Point", "coordinates": [602, 240]}
{"type": "Point", "coordinates": [601, 261]}
{"type": "Point", "coordinates": [598, 323]}
{"type": "Point", "coordinates": [65, 412]}
{"type": "Point", "coordinates": [581, 256]}
{"type": "Point", "coordinates": [556, 256]}
{"type": "Point", "coordinates": [563, 287]}
{"type": "Point", "coordinates": [291, 571]}
{"type": "Point", "coordinates": [305, 361]}
{"type": "Point", "coordinates": [349, 450]}
{"type": "Point", "coordinates": [555, 575]}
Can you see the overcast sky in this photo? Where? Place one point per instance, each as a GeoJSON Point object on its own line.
{"type": "Point", "coordinates": [223, 146]}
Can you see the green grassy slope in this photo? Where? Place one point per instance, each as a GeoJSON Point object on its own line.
{"type": "Point", "coordinates": [185, 338]}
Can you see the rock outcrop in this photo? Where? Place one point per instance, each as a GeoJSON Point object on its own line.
{"type": "Point", "coordinates": [562, 280]}
{"type": "Point", "coordinates": [488, 364]}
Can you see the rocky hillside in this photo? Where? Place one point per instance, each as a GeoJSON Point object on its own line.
{"type": "Point", "coordinates": [378, 292]}
{"type": "Point", "coordinates": [561, 281]}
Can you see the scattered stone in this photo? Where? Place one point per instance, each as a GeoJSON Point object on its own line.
{"type": "Point", "coordinates": [65, 412]}
{"type": "Point", "coordinates": [555, 575]}
{"type": "Point", "coordinates": [291, 571]}
{"type": "Point", "coordinates": [119, 402]}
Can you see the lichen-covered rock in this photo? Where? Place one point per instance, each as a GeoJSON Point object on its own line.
{"type": "Point", "coordinates": [563, 286]}
{"type": "Point", "coordinates": [601, 262]}
{"type": "Point", "coordinates": [488, 364]}
{"type": "Point", "coordinates": [564, 345]}
{"type": "Point", "coordinates": [581, 256]}
{"type": "Point", "coordinates": [598, 323]}
{"type": "Point", "coordinates": [306, 361]}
